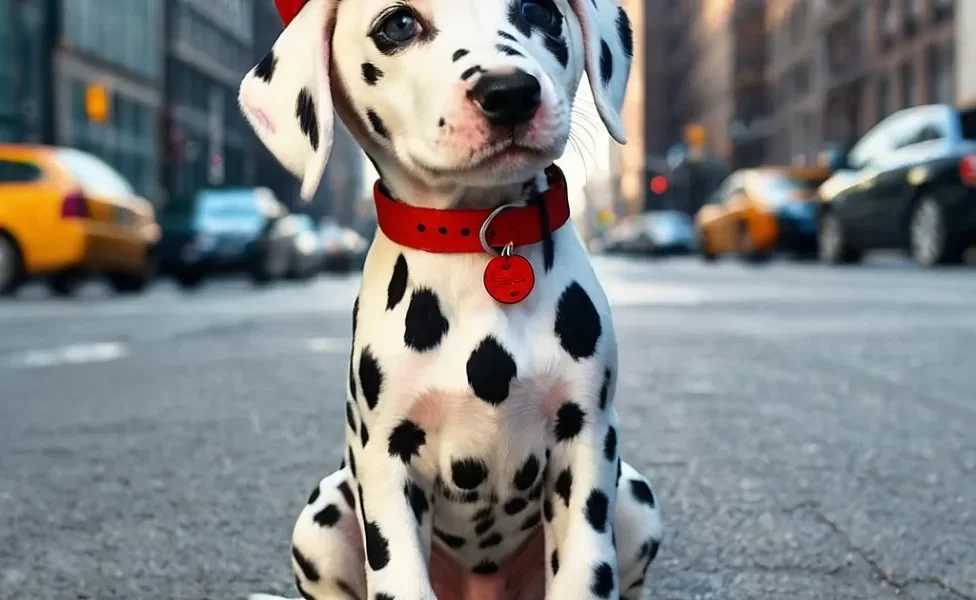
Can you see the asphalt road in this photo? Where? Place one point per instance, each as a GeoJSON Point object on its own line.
{"type": "Point", "coordinates": [810, 431]}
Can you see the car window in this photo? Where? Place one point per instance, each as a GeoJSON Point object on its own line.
{"type": "Point", "coordinates": [967, 122]}
{"type": "Point", "coordinates": [95, 177]}
{"type": "Point", "coordinates": [12, 171]}
{"type": "Point", "coordinates": [227, 204]}
{"type": "Point", "coordinates": [919, 125]}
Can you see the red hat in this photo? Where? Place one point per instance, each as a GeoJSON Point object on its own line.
{"type": "Point", "coordinates": [289, 9]}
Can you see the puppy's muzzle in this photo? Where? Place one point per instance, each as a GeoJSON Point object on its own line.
{"type": "Point", "coordinates": [507, 99]}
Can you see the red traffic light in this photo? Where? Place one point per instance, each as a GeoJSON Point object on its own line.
{"type": "Point", "coordinates": [659, 184]}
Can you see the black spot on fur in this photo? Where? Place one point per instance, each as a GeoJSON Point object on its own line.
{"type": "Point", "coordinates": [649, 550]}
{"type": "Point", "coordinates": [597, 507]}
{"type": "Point", "coordinates": [508, 50]}
{"type": "Point", "coordinates": [377, 124]}
{"type": "Point", "coordinates": [470, 72]}
{"type": "Point", "coordinates": [532, 521]}
{"type": "Point", "coordinates": [485, 567]}
{"type": "Point", "coordinates": [605, 389]}
{"type": "Point", "coordinates": [406, 440]}
{"type": "Point", "coordinates": [425, 324]}
{"type": "Point", "coordinates": [610, 444]}
{"type": "Point", "coordinates": [450, 540]}
{"type": "Point", "coordinates": [347, 589]}
{"type": "Point", "coordinates": [377, 547]}
{"type": "Point", "coordinates": [352, 461]}
{"type": "Point", "coordinates": [558, 48]}
{"type": "Point", "coordinates": [625, 32]}
{"type": "Point", "coordinates": [620, 470]}
{"type": "Point", "coordinates": [527, 473]}
{"type": "Point", "coordinates": [642, 492]}
{"type": "Point", "coordinates": [547, 511]}
{"type": "Point", "coordinates": [606, 62]}
{"type": "Point", "coordinates": [418, 500]}
{"type": "Point", "coordinates": [516, 19]}
{"type": "Point", "coordinates": [548, 246]}
{"type": "Point", "coordinates": [483, 513]}
{"type": "Point", "coordinates": [301, 590]}
{"type": "Point", "coordinates": [265, 68]}
{"type": "Point", "coordinates": [371, 74]}
{"type": "Point", "coordinates": [346, 492]}
{"type": "Point", "coordinates": [578, 324]}
{"type": "Point", "coordinates": [364, 434]}
{"type": "Point", "coordinates": [352, 379]}
{"type": "Point", "coordinates": [506, 36]}
{"type": "Point", "coordinates": [564, 485]}
{"type": "Point", "coordinates": [370, 377]}
{"type": "Point", "coordinates": [484, 526]}
{"type": "Point", "coordinates": [569, 421]}
{"type": "Point", "coordinates": [351, 417]}
{"type": "Point", "coordinates": [307, 120]}
{"type": "Point", "coordinates": [515, 506]}
{"type": "Point", "coordinates": [468, 473]}
{"type": "Point", "coordinates": [314, 495]}
{"type": "Point", "coordinates": [554, 561]}
{"type": "Point", "coordinates": [328, 516]}
{"type": "Point", "coordinates": [441, 122]}
{"type": "Point", "coordinates": [491, 541]}
{"type": "Point", "coordinates": [306, 566]}
{"type": "Point", "coordinates": [397, 287]}
{"type": "Point", "coordinates": [491, 370]}
{"type": "Point", "coordinates": [602, 582]}
{"type": "Point", "coordinates": [536, 492]}
{"type": "Point", "coordinates": [459, 54]}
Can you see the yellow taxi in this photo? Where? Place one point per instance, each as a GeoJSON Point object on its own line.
{"type": "Point", "coordinates": [64, 215]}
{"type": "Point", "coordinates": [758, 211]}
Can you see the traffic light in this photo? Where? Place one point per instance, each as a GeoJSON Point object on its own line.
{"type": "Point", "coordinates": [659, 185]}
{"type": "Point", "coordinates": [97, 102]}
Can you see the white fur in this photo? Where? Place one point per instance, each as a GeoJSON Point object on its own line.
{"type": "Point", "coordinates": [427, 162]}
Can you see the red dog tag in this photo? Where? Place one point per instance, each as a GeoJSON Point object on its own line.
{"type": "Point", "coordinates": [509, 279]}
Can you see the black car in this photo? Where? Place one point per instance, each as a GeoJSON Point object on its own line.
{"type": "Point", "coordinates": [228, 230]}
{"type": "Point", "coordinates": [908, 184]}
{"type": "Point", "coordinates": [306, 247]}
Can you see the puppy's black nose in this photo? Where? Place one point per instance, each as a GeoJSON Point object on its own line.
{"type": "Point", "coordinates": [509, 99]}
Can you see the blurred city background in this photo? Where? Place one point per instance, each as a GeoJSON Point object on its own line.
{"type": "Point", "coordinates": [784, 241]}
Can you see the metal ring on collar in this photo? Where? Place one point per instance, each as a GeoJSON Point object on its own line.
{"type": "Point", "coordinates": [482, 235]}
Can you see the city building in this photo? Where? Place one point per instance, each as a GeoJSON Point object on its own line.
{"type": "Point", "coordinates": [629, 159]}
{"type": "Point", "coordinates": [965, 54]}
{"type": "Point", "coordinates": [26, 35]}
{"type": "Point", "coordinates": [209, 48]}
{"type": "Point", "coordinates": [111, 52]}
{"type": "Point", "coordinates": [840, 66]}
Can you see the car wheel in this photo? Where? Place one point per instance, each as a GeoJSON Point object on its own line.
{"type": "Point", "coordinates": [66, 283]}
{"type": "Point", "coordinates": [126, 283]}
{"type": "Point", "coordinates": [189, 280]}
{"type": "Point", "coordinates": [832, 246]}
{"type": "Point", "coordinates": [747, 248]}
{"type": "Point", "coordinates": [706, 254]}
{"type": "Point", "coordinates": [928, 234]}
{"type": "Point", "coordinates": [11, 266]}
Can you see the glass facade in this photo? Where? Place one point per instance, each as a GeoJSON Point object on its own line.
{"type": "Point", "coordinates": [24, 71]}
{"type": "Point", "coordinates": [125, 33]}
{"type": "Point", "coordinates": [128, 35]}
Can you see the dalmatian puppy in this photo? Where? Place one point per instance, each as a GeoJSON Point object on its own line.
{"type": "Point", "coordinates": [480, 434]}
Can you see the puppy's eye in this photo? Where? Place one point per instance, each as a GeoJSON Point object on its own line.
{"type": "Point", "coordinates": [398, 28]}
{"type": "Point", "coordinates": [542, 14]}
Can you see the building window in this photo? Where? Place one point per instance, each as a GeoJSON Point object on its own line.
{"type": "Point", "coordinates": [907, 84]}
{"type": "Point", "coordinates": [887, 25]}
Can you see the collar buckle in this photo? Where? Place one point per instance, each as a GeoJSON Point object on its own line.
{"type": "Point", "coordinates": [483, 234]}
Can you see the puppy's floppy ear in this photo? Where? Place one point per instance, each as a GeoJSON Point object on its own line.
{"type": "Point", "coordinates": [286, 97]}
{"type": "Point", "coordinates": [608, 45]}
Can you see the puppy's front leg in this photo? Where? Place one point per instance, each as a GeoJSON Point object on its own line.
{"type": "Point", "coordinates": [395, 512]}
{"type": "Point", "coordinates": [580, 500]}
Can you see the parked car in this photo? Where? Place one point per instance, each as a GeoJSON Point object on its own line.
{"type": "Point", "coordinates": [306, 247]}
{"type": "Point", "coordinates": [230, 230]}
{"type": "Point", "coordinates": [66, 215]}
{"type": "Point", "coordinates": [756, 212]}
{"type": "Point", "coordinates": [660, 233]}
{"type": "Point", "coordinates": [908, 184]}
{"type": "Point", "coordinates": [343, 249]}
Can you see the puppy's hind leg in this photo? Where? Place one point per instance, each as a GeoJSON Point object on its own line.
{"type": "Point", "coordinates": [638, 531]}
{"type": "Point", "coordinates": [327, 553]}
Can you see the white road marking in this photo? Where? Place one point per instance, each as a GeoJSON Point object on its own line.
{"type": "Point", "coordinates": [74, 354]}
{"type": "Point", "coordinates": [328, 345]}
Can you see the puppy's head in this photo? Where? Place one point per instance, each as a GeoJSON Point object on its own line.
{"type": "Point", "coordinates": [453, 92]}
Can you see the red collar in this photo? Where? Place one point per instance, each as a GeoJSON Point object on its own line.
{"type": "Point", "coordinates": [457, 231]}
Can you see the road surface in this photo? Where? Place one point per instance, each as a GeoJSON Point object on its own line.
{"type": "Point", "coordinates": [810, 431]}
